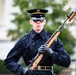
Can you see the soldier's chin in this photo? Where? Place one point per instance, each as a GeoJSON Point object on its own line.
{"type": "Point", "coordinates": [38, 30]}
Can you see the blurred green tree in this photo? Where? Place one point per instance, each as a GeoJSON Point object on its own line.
{"type": "Point", "coordinates": [55, 18]}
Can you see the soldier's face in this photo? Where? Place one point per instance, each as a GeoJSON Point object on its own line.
{"type": "Point", "coordinates": [38, 25]}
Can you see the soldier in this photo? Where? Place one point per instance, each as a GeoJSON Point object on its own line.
{"type": "Point", "coordinates": [32, 43]}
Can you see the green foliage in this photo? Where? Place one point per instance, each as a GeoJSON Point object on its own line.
{"type": "Point", "coordinates": [57, 69]}
{"type": "Point", "coordinates": [54, 17]}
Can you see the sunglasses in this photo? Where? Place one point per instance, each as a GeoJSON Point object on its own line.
{"type": "Point", "coordinates": [38, 19]}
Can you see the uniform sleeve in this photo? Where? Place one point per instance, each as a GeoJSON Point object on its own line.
{"type": "Point", "coordinates": [12, 59]}
{"type": "Point", "coordinates": [60, 56]}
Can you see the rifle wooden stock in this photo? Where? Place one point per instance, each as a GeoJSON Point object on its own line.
{"type": "Point", "coordinates": [41, 55]}
{"type": "Point", "coordinates": [36, 62]}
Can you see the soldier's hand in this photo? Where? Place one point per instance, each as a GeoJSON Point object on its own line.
{"type": "Point", "coordinates": [45, 50]}
{"type": "Point", "coordinates": [27, 71]}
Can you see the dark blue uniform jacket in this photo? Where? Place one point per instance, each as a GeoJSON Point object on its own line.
{"type": "Point", "coordinates": [27, 47]}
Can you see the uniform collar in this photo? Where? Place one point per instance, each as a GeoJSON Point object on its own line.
{"type": "Point", "coordinates": [43, 34]}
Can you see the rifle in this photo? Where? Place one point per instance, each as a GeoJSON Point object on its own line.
{"type": "Point", "coordinates": [39, 56]}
